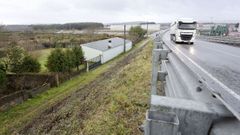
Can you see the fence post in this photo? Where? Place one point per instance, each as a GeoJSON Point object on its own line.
{"type": "Point", "coordinates": [87, 67]}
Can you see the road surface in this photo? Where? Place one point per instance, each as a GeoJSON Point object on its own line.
{"type": "Point", "coordinates": [222, 61]}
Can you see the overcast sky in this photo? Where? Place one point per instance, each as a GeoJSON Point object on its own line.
{"type": "Point", "coordinates": [108, 11]}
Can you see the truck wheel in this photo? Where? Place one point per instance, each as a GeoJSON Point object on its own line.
{"type": "Point", "coordinates": [171, 37]}
{"type": "Point", "coordinates": [174, 39]}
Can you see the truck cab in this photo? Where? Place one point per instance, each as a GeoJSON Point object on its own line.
{"type": "Point", "coordinates": [183, 31]}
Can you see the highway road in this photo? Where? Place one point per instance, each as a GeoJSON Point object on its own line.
{"type": "Point", "coordinates": [221, 61]}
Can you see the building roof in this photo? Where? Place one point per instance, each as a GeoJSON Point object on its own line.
{"type": "Point", "coordinates": [102, 45]}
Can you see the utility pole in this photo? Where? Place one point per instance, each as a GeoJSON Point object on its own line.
{"type": "Point", "coordinates": [124, 38]}
{"type": "Point", "coordinates": [147, 28]}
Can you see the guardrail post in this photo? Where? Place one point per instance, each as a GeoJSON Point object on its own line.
{"type": "Point", "coordinates": [162, 76]}
{"type": "Point", "coordinates": [161, 123]}
{"type": "Point", "coordinates": [158, 56]}
{"type": "Point", "coordinates": [87, 69]}
{"type": "Point", "coordinates": [164, 54]}
{"type": "Point", "coordinates": [157, 39]}
{"type": "Point", "coordinates": [158, 45]}
{"type": "Point", "coordinates": [155, 68]}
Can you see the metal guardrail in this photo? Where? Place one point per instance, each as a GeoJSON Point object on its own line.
{"type": "Point", "coordinates": [227, 96]}
{"type": "Point", "coordinates": [222, 39]}
{"type": "Point", "coordinates": [196, 114]}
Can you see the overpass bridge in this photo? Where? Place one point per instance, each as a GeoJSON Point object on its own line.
{"type": "Point", "coordinates": [202, 89]}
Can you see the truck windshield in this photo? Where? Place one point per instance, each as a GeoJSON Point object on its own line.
{"type": "Point", "coordinates": [187, 26]}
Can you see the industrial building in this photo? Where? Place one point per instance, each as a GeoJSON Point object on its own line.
{"type": "Point", "coordinates": [147, 26]}
{"type": "Point", "coordinates": [105, 50]}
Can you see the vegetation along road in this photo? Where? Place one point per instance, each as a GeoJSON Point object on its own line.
{"type": "Point", "coordinates": [111, 99]}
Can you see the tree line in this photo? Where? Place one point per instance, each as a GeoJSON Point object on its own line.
{"type": "Point", "coordinates": [68, 26]}
{"type": "Point", "coordinates": [17, 60]}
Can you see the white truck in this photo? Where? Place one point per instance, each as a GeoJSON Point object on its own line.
{"type": "Point", "coordinates": [183, 31]}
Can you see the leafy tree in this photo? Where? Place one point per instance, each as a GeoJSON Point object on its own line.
{"type": "Point", "coordinates": [70, 59]}
{"type": "Point", "coordinates": [63, 61]}
{"type": "Point", "coordinates": [15, 55]}
{"type": "Point", "coordinates": [78, 56]}
{"type": "Point", "coordinates": [137, 32]}
{"type": "Point", "coordinates": [18, 61]}
{"type": "Point", "coordinates": [57, 61]}
{"type": "Point", "coordinates": [30, 64]}
{"type": "Point", "coordinates": [2, 75]}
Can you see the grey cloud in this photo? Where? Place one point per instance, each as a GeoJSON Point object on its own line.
{"type": "Point", "coordinates": [61, 11]}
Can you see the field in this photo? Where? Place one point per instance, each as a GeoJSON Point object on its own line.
{"type": "Point", "coordinates": [34, 41]}
{"type": "Point", "coordinates": [40, 45]}
{"type": "Point", "coordinates": [112, 99]}
{"type": "Point", "coordinates": [41, 56]}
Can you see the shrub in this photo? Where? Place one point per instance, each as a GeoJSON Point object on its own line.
{"type": "Point", "coordinates": [62, 61]}
{"type": "Point", "coordinates": [70, 59]}
{"type": "Point", "coordinates": [79, 56]}
{"type": "Point", "coordinates": [57, 61]}
{"type": "Point", "coordinates": [137, 32]}
{"type": "Point", "coordinates": [14, 58]}
{"type": "Point", "coordinates": [30, 64]}
{"type": "Point", "coordinates": [2, 75]}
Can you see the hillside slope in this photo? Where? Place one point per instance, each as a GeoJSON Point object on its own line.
{"type": "Point", "coordinates": [114, 103]}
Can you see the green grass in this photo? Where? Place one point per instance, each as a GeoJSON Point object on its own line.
{"type": "Point", "coordinates": [16, 117]}
{"type": "Point", "coordinates": [42, 56]}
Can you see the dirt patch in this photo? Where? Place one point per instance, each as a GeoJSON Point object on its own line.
{"type": "Point", "coordinates": [69, 115]}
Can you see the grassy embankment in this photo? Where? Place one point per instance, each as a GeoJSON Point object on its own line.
{"type": "Point", "coordinates": [123, 111]}
{"type": "Point", "coordinates": [129, 95]}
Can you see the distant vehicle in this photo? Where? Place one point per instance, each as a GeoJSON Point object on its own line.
{"type": "Point", "coordinates": [183, 31]}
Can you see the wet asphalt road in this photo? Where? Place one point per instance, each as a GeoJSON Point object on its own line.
{"type": "Point", "coordinates": [222, 61]}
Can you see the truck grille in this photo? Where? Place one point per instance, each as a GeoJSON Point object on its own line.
{"type": "Point", "coordinates": [186, 37]}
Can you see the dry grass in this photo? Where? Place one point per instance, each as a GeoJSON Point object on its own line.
{"type": "Point", "coordinates": [123, 111]}
{"type": "Point", "coordinates": [28, 40]}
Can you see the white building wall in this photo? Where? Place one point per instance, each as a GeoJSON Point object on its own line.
{"type": "Point", "coordinates": [90, 53]}
{"type": "Point", "coordinates": [116, 27]}
{"type": "Point", "coordinates": [113, 52]}
{"type": "Point", "coordinates": [128, 46]}
{"type": "Point", "coordinates": [151, 27]}
{"type": "Point", "coordinates": [120, 27]}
